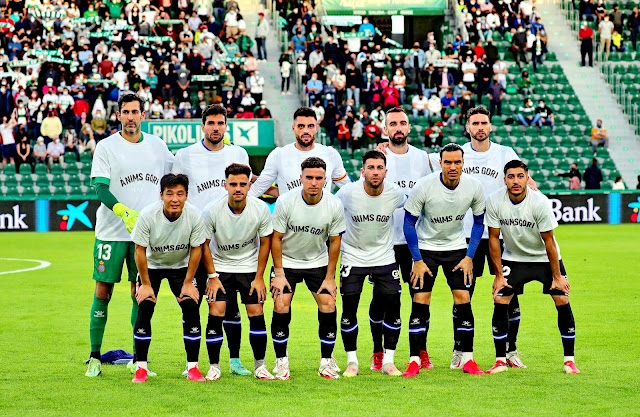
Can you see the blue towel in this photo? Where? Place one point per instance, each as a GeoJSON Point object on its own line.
{"type": "Point", "coordinates": [116, 357]}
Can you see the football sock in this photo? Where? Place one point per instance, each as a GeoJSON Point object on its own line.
{"type": "Point", "coordinates": [214, 338]}
{"type": "Point", "coordinates": [280, 333]}
{"type": "Point", "coordinates": [456, 336]}
{"type": "Point", "coordinates": [349, 322]}
{"type": "Point", "coordinates": [142, 331]}
{"type": "Point", "coordinates": [500, 323]}
{"type": "Point", "coordinates": [514, 324]}
{"type": "Point", "coordinates": [392, 322]}
{"type": "Point", "coordinates": [388, 356]}
{"type": "Point", "coordinates": [352, 357]}
{"type": "Point", "coordinates": [465, 327]}
{"type": "Point", "coordinates": [191, 327]}
{"type": "Point", "coordinates": [258, 337]}
{"type": "Point", "coordinates": [233, 325]}
{"type": "Point", "coordinates": [99, 310]}
{"type": "Point", "coordinates": [134, 317]}
{"type": "Point", "coordinates": [376, 314]}
{"type": "Point", "coordinates": [327, 329]}
{"type": "Point", "coordinates": [567, 326]}
{"type": "Point", "coordinates": [191, 365]}
{"type": "Point", "coordinates": [142, 364]}
{"type": "Point", "coordinates": [418, 327]}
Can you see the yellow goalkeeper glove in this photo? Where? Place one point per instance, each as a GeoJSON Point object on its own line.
{"type": "Point", "coordinates": [128, 216]}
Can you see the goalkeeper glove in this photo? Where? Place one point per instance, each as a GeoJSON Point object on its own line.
{"type": "Point", "coordinates": [128, 216]}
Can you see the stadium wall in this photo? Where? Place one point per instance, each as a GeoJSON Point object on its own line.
{"type": "Point", "coordinates": [79, 214]}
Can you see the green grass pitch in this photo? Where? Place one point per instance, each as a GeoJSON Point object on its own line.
{"type": "Point", "coordinates": [44, 343]}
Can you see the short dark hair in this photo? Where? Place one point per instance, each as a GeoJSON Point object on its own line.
{"type": "Point", "coordinates": [478, 110]}
{"type": "Point", "coordinates": [516, 163]}
{"type": "Point", "coordinates": [305, 112]}
{"type": "Point", "coordinates": [451, 147]}
{"type": "Point", "coordinates": [373, 155]}
{"type": "Point", "coordinates": [313, 162]}
{"type": "Point", "coordinates": [396, 110]}
{"type": "Point", "coordinates": [594, 161]}
{"type": "Point", "coordinates": [128, 98]}
{"type": "Point", "coordinates": [237, 169]}
{"type": "Point", "coordinates": [171, 180]}
{"type": "Point", "coordinates": [212, 110]}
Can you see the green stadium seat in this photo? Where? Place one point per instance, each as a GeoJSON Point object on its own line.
{"type": "Point", "coordinates": [56, 169]}
{"type": "Point", "coordinates": [42, 181]}
{"type": "Point", "coordinates": [71, 168]}
{"type": "Point", "coordinates": [358, 154]}
{"type": "Point", "coordinates": [74, 181]}
{"type": "Point", "coordinates": [44, 191]}
{"type": "Point", "coordinates": [41, 169]}
{"type": "Point", "coordinates": [551, 57]}
{"type": "Point", "coordinates": [58, 181]}
{"type": "Point", "coordinates": [86, 157]}
{"type": "Point", "coordinates": [76, 191]}
{"type": "Point", "coordinates": [28, 192]}
{"type": "Point", "coordinates": [11, 182]}
{"type": "Point", "coordinates": [615, 57]}
{"type": "Point", "coordinates": [25, 169]}
{"type": "Point", "coordinates": [627, 56]}
{"type": "Point", "coordinates": [556, 69]}
{"type": "Point", "coordinates": [344, 153]}
{"type": "Point", "coordinates": [9, 169]}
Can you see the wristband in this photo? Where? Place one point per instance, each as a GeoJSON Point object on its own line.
{"type": "Point", "coordinates": [214, 275]}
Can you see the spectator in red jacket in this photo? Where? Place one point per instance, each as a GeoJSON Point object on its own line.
{"type": "Point", "coordinates": [586, 46]}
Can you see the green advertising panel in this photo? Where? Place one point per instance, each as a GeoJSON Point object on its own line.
{"type": "Point", "coordinates": [385, 7]}
{"type": "Point", "coordinates": [257, 136]}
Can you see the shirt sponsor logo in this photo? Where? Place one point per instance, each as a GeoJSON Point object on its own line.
{"type": "Point", "coordinates": [129, 179]}
{"type": "Point", "coordinates": [236, 246]}
{"type": "Point", "coordinates": [210, 184]}
{"type": "Point", "coordinates": [306, 229]}
{"type": "Point", "coordinates": [446, 219]}
{"type": "Point", "coordinates": [169, 248]}
{"type": "Point", "coordinates": [481, 170]}
{"type": "Point", "coordinates": [516, 222]}
{"type": "Point", "coordinates": [370, 218]}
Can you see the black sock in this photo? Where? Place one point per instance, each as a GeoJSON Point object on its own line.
{"type": "Point", "coordinates": [514, 324]}
{"type": "Point", "coordinates": [392, 322]}
{"type": "Point", "coordinates": [142, 332]}
{"type": "Point", "coordinates": [98, 356]}
{"type": "Point", "coordinates": [233, 325]}
{"type": "Point", "coordinates": [191, 328]}
{"type": "Point", "coordinates": [465, 327]}
{"type": "Point", "coordinates": [327, 329]}
{"type": "Point", "coordinates": [567, 326]}
{"type": "Point", "coordinates": [500, 324]}
{"type": "Point", "coordinates": [280, 333]}
{"type": "Point", "coordinates": [456, 336]}
{"type": "Point", "coordinates": [418, 327]}
{"type": "Point", "coordinates": [258, 336]}
{"type": "Point", "coordinates": [376, 314]}
{"type": "Point", "coordinates": [349, 322]}
{"type": "Point", "coordinates": [214, 338]}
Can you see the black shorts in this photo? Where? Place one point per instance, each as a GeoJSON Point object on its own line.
{"type": "Point", "coordinates": [313, 277]}
{"type": "Point", "coordinates": [174, 276]}
{"type": "Point", "coordinates": [404, 261]}
{"type": "Point", "coordinates": [519, 273]}
{"type": "Point", "coordinates": [448, 260]}
{"type": "Point", "coordinates": [386, 279]}
{"type": "Point", "coordinates": [238, 282]}
{"type": "Point", "coordinates": [482, 253]}
{"type": "Point", "coordinates": [200, 279]}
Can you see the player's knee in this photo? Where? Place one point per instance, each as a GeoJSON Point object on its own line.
{"type": "Point", "coordinates": [350, 304]}
{"type": "Point", "coordinates": [422, 297]}
{"type": "Point", "coordinates": [104, 290]}
{"type": "Point", "coordinates": [189, 307]}
{"type": "Point", "coordinates": [219, 308]}
{"type": "Point", "coordinates": [254, 310]}
{"type": "Point", "coordinates": [132, 286]}
{"type": "Point", "coordinates": [281, 306]}
{"type": "Point", "coordinates": [461, 296]}
{"type": "Point", "coordinates": [327, 304]}
{"type": "Point", "coordinates": [500, 300]}
{"type": "Point", "coordinates": [560, 300]}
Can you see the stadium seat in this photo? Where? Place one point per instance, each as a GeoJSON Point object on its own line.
{"type": "Point", "coordinates": [44, 191]}
{"type": "Point", "coordinates": [71, 168]}
{"type": "Point", "coordinates": [9, 169]}
{"type": "Point", "coordinates": [627, 56]}
{"type": "Point", "coordinates": [28, 192]}
{"type": "Point", "coordinates": [56, 169]}
{"type": "Point", "coordinates": [551, 57]}
{"type": "Point", "coordinates": [42, 181]}
{"type": "Point", "coordinates": [86, 157]}
{"type": "Point", "coordinates": [41, 169]}
{"type": "Point", "coordinates": [25, 169]}
{"type": "Point", "coordinates": [58, 181]}
{"type": "Point", "coordinates": [11, 182]}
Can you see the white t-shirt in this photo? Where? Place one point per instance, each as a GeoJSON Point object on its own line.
{"type": "Point", "coordinates": [470, 76]}
{"type": "Point", "coordinates": [521, 224]}
{"type": "Point", "coordinates": [7, 134]}
{"type": "Point", "coordinates": [419, 104]}
{"type": "Point", "coordinates": [205, 170]}
{"type": "Point", "coordinates": [405, 170]}
{"type": "Point", "coordinates": [168, 242]}
{"type": "Point", "coordinates": [306, 228]}
{"type": "Point", "coordinates": [134, 171]}
{"type": "Point", "coordinates": [283, 167]}
{"type": "Point", "coordinates": [441, 211]}
{"type": "Point", "coordinates": [606, 29]}
{"type": "Point", "coordinates": [236, 236]}
{"type": "Point", "coordinates": [368, 240]}
{"type": "Point", "coordinates": [500, 66]}
{"type": "Point", "coordinates": [488, 168]}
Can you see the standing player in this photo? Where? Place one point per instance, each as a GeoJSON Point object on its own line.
{"type": "Point", "coordinates": [204, 163]}
{"type": "Point", "coordinates": [126, 171]}
{"type": "Point", "coordinates": [240, 228]}
{"type": "Point", "coordinates": [367, 251]}
{"type": "Point", "coordinates": [283, 164]}
{"type": "Point", "coordinates": [168, 237]}
{"type": "Point", "coordinates": [441, 201]}
{"type": "Point", "coordinates": [531, 253]}
{"type": "Point", "coordinates": [302, 222]}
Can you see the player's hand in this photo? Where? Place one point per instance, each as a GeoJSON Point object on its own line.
{"type": "Point", "coordinates": [279, 283]}
{"type": "Point", "coordinates": [145, 292]}
{"type": "Point", "coordinates": [189, 290]}
{"type": "Point", "coordinates": [129, 217]}
{"type": "Point", "coordinates": [466, 264]}
{"type": "Point", "coordinates": [213, 286]}
{"type": "Point", "coordinates": [382, 147]}
{"type": "Point", "coordinates": [329, 284]}
{"type": "Point", "coordinates": [561, 283]}
{"type": "Point", "coordinates": [498, 284]}
{"type": "Point", "coordinates": [258, 286]}
{"type": "Point", "coordinates": [417, 273]}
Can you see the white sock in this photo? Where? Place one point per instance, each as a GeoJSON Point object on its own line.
{"type": "Point", "coordinates": [352, 357]}
{"type": "Point", "coordinates": [566, 358]}
{"type": "Point", "coordinates": [324, 361]}
{"type": "Point", "coordinates": [143, 365]}
{"type": "Point", "coordinates": [466, 357]}
{"type": "Point", "coordinates": [214, 365]}
{"type": "Point", "coordinates": [415, 359]}
{"type": "Point", "coordinates": [192, 365]}
{"type": "Point", "coordinates": [388, 356]}
{"type": "Point", "coordinates": [502, 359]}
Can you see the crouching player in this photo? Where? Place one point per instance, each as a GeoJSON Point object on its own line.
{"type": "Point", "coordinates": [531, 253]}
{"type": "Point", "coordinates": [168, 238]}
{"type": "Point", "coordinates": [241, 230]}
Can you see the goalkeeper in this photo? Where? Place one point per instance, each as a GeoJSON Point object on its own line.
{"type": "Point", "coordinates": [126, 171]}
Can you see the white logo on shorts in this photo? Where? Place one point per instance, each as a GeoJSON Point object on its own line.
{"type": "Point", "coordinates": [395, 274]}
{"type": "Point", "coordinates": [506, 270]}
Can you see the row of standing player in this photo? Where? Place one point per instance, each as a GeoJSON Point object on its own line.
{"type": "Point", "coordinates": [203, 163]}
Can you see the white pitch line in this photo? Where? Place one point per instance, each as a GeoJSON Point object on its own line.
{"type": "Point", "coordinates": [42, 264]}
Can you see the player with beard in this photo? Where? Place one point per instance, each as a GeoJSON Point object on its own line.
{"type": "Point", "coordinates": [283, 163]}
